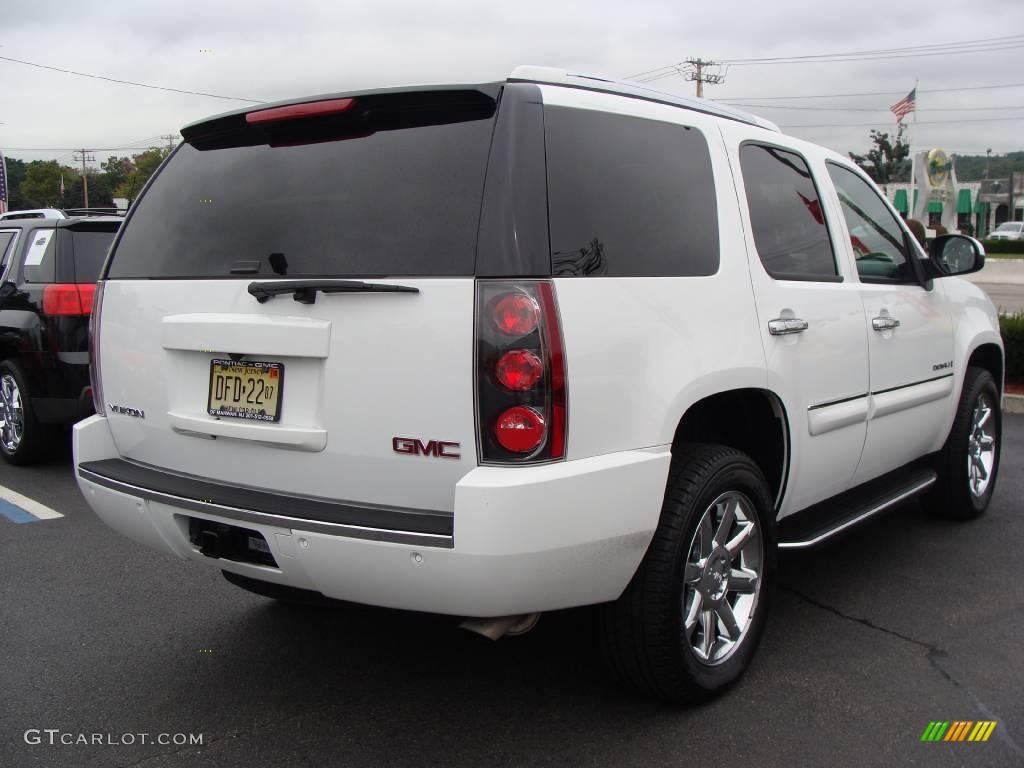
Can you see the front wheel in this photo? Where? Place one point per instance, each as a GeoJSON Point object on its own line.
{"type": "Point", "coordinates": [969, 462]}
{"type": "Point", "coordinates": [691, 618]}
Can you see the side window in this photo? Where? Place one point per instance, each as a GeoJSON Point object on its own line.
{"type": "Point", "coordinates": [785, 215]}
{"type": "Point", "coordinates": [628, 197]}
{"type": "Point", "coordinates": [40, 257]}
{"type": "Point", "coordinates": [6, 248]}
{"type": "Point", "coordinates": [875, 235]}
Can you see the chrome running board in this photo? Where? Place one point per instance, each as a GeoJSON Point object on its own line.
{"type": "Point", "coordinates": [821, 522]}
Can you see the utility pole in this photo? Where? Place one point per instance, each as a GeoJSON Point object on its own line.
{"type": "Point", "coordinates": [171, 140]}
{"type": "Point", "coordinates": [84, 155]}
{"type": "Point", "coordinates": [695, 71]}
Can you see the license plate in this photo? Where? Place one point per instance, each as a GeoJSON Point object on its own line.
{"type": "Point", "coordinates": [245, 389]}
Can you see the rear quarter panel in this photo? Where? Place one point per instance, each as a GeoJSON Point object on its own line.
{"type": "Point", "coordinates": [641, 350]}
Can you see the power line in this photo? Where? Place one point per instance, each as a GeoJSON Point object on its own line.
{"type": "Point", "coordinates": [919, 122]}
{"type": "Point", "coordinates": [128, 82]}
{"type": "Point", "coordinates": [71, 149]}
{"type": "Point", "coordinates": [870, 93]}
{"type": "Point", "coordinates": [982, 45]}
{"type": "Point", "coordinates": [869, 109]}
{"type": "Point", "coordinates": [977, 43]}
{"type": "Point", "coordinates": [985, 49]}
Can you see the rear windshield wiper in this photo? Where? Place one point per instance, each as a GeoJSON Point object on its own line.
{"type": "Point", "coordinates": [304, 291]}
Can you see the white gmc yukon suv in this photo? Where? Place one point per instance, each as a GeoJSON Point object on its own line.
{"type": "Point", "coordinates": [492, 350]}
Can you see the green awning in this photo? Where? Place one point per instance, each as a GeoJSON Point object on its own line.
{"type": "Point", "coordinates": [899, 202]}
{"type": "Point", "coordinates": [963, 201]}
{"type": "Point", "coordinates": [934, 206]}
{"type": "Point", "coordinates": [980, 207]}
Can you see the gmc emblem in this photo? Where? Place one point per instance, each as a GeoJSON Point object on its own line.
{"type": "Point", "coordinates": [415, 447]}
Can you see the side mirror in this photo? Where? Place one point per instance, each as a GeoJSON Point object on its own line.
{"type": "Point", "coordinates": [955, 255]}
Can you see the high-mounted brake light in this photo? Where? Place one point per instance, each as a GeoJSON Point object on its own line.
{"type": "Point", "coordinates": [68, 299]}
{"type": "Point", "coordinates": [521, 384]}
{"type": "Point", "coordinates": [299, 111]}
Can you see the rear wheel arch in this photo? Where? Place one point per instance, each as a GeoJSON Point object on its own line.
{"type": "Point", "coordinates": [750, 420]}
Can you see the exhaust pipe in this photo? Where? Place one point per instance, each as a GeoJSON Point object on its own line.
{"type": "Point", "coordinates": [500, 626]}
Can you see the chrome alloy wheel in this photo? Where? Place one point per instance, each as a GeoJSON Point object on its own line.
{"type": "Point", "coordinates": [722, 578]}
{"type": "Point", "coordinates": [12, 425]}
{"type": "Point", "coordinates": [981, 447]}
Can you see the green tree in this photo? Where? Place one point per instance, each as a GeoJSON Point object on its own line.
{"type": "Point", "coordinates": [40, 188]}
{"type": "Point", "coordinates": [888, 160]}
{"type": "Point", "coordinates": [16, 170]}
{"type": "Point", "coordinates": [144, 165]}
{"type": "Point", "coordinates": [116, 170]}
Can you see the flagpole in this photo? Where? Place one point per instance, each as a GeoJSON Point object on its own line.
{"type": "Point", "coordinates": [913, 157]}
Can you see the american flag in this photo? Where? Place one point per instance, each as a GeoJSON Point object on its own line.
{"type": "Point", "coordinates": [3, 183]}
{"type": "Point", "coordinates": [905, 106]}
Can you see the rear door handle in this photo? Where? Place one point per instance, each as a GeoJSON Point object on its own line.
{"type": "Point", "coordinates": [884, 323]}
{"type": "Point", "coordinates": [785, 326]}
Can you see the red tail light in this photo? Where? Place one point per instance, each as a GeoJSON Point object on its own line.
{"type": "Point", "coordinates": [516, 314]}
{"type": "Point", "coordinates": [519, 370]}
{"type": "Point", "coordinates": [521, 386]}
{"type": "Point", "coordinates": [68, 299]}
{"type": "Point", "coordinates": [520, 429]}
{"type": "Point", "coordinates": [94, 352]}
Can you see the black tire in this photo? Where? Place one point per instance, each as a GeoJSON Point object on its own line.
{"type": "Point", "coordinates": [951, 496]}
{"type": "Point", "coordinates": [34, 436]}
{"type": "Point", "coordinates": [642, 633]}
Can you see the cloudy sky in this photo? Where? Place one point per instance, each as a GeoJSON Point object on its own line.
{"type": "Point", "coordinates": [267, 51]}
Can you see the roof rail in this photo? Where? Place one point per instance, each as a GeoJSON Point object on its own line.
{"type": "Point", "coordinates": [555, 76]}
{"type": "Point", "coordinates": [94, 212]}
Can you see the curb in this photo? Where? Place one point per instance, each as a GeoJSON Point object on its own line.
{"type": "Point", "coordinates": [1013, 403]}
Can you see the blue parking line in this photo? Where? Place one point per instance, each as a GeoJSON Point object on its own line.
{"type": "Point", "coordinates": [16, 514]}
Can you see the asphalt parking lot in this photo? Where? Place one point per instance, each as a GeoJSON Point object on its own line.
{"type": "Point", "coordinates": [905, 621]}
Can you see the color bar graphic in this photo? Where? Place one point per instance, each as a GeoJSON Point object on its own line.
{"type": "Point", "coordinates": [958, 730]}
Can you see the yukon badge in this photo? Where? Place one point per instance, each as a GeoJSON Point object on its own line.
{"type": "Point", "coordinates": [416, 447]}
{"type": "Point", "coordinates": [124, 411]}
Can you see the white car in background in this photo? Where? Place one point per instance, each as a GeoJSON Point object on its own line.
{"type": "Point", "coordinates": [1008, 230]}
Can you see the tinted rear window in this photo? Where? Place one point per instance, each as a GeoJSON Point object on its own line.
{"type": "Point", "coordinates": [90, 249]}
{"type": "Point", "coordinates": [40, 261]}
{"type": "Point", "coordinates": [786, 216]}
{"type": "Point", "coordinates": [6, 238]}
{"type": "Point", "coordinates": [629, 197]}
{"type": "Point", "coordinates": [389, 188]}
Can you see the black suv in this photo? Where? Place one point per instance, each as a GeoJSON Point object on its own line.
{"type": "Point", "coordinates": [48, 271]}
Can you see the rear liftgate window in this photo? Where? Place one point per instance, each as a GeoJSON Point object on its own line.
{"type": "Point", "coordinates": [629, 197]}
{"type": "Point", "coordinates": [386, 185]}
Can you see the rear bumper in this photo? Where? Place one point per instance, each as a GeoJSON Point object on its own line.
{"type": "Point", "coordinates": [520, 539]}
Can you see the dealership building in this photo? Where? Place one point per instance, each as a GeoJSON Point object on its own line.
{"type": "Point", "coordinates": [983, 205]}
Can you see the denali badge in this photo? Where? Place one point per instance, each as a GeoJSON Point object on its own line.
{"type": "Point", "coordinates": [126, 411]}
{"type": "Point", "coordinates": [940, 366]}
{"type": "Point", "coordinates": [413, 446]}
